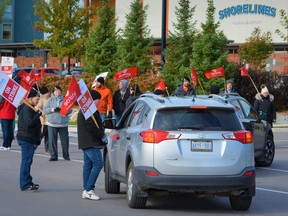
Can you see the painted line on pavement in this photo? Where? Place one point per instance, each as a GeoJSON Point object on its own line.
{"type": "Point", "coordinates": [271, 169]}
{"type": "Point", "coordinates": [274, 191]}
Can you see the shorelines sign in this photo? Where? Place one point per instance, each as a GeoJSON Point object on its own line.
{"type": "Point", "coordinates": [247, 9]}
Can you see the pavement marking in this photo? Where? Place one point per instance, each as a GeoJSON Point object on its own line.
{"type": "Point", "coordinates": [271, 169]}
{"type": "Point", "coordinates": [274, 191]}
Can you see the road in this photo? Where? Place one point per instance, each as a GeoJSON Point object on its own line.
{"type": "Point", "coordinates": [61, 188]}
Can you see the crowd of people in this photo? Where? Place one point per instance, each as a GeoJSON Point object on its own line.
{"type": "Point", "coordinates": [40, 118]}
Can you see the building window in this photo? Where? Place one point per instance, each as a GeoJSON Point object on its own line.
{"type": "Point", "coordinates": [7, 32]}
{"type": "Point", "coordinates": [8, 14]}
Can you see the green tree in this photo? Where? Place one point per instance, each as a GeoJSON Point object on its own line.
{"type": "Point", "coordinates": [135, 40]}
{"type": "Point", "coordinates": [178, 55]}
{"type": "Point", "coordinates": [284, 23]}
{"type": "Point", "coordinates": [101, 45]}
{"type": "Point", "coordinates": [66, 26]}
{"type": "Point", "coordinates": [209, 49]}
{"type": "Point", "coordinates": [256, 49]}
{"type": "Point", "coordinates": [3, 5]}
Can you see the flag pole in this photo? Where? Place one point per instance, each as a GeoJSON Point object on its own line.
{"type": "Point", "coordinates": [254, 84]}
{"type": "Point", "coordinates": [93, 118]}
{"type": "Point", "coordinates": [167, 92]}
{"type": "Point", "coordinates": [201, 86]}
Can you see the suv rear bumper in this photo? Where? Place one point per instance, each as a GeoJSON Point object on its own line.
{"type": "Point", "coordinates": [234, 185]}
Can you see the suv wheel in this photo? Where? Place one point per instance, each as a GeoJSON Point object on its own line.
{"type": "Point", "coordinates": [268, 156]}
{"type": "Point", "coordinates": [111, 186]}
{"type": "Point", "coordinates": [240, 203]}
{"type": "Point", "coordinates": [133, 198]}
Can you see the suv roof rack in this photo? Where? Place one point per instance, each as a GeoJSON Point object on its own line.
{"type": "Point", "coordinates": [158, 98]}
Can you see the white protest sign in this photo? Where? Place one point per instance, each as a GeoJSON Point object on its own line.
{"type": "Point", "coordinates": [85, 101]}
{"type": "Point", "coordinates": [10, 90]}
{"type": "Point", "coordinates": [7, 65]}
{"type": "Point", "coordinates": [104, 75]}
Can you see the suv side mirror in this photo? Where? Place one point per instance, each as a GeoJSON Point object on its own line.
{"type": "Point", "coordinates": [109, 123]}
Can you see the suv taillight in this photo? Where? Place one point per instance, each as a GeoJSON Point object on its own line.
{"type": "Point", "coordinates": [242, 136]}
{"type": "Point", "coordinates": [156, 136]}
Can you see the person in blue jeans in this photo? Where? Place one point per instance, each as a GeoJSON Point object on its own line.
{"type": "Point", "coordinates": [91, 139]}
{"type": "Point", "coordinates": [28, 137]}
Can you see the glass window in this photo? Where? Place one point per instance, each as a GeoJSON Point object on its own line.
{"type": "Point", "coordinates": [8, 14]}
{"type": "Point", "coordinates": [7, 32]}
{"type": "Point", "coordinates": [238, 109]}
{"type": "Point", "coordinates": [250, 113]}
{"type": "Point", "coordinates": [135, 115]}
{"type": "Point", "coordinates": [196, 119]}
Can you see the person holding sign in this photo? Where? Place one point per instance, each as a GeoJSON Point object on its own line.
{"type": "Point", "coordinates": [91, 139]}
{"type": "Point", "coordinates": [28, 137]}
{"type": "Point", "coordinates": [57, 124]}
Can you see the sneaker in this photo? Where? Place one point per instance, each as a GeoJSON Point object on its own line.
{"type": "Point", "coordinates": [53, 159]}
{"type": "Point", "coordinates": [2, 148]}
{"type": "Point", "coordinates": [90, 195]}
{"type": "Point", "coordinates": [32, 188]}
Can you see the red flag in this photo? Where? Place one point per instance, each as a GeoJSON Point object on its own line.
{"type": "Point", "coordinates": [161, 85]}
{"type": "Point", "coordinates": [29, 78]}
{"type": "Point", "coordinates": [194, 76]}
{"type": "Point", "coordinates": [126, 73]}
{"type": "Point", "coordinates": [71, 96]}
{"type": "Point", "coordinates": [218, 72]}
{"type": "Point", "coordinates": [244, 71]}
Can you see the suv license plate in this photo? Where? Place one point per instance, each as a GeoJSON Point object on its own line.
{"type": "Point", "coordinates": [201, 146]}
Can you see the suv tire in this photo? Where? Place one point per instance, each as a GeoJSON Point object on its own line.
{"type": "Point", "coordinates": [240, 203]}
{"type": "Point", "coordinates": [134, 199]}
{"type": "Point", "coordinates": [269, 152]}
{"type": "Point", "coordinates": [111, 186]}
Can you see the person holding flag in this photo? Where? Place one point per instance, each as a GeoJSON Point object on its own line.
{"type": "Point", "coordinates": [57, 123]}
{"type": "Point", "coordinates": [185, 89]}
{"type": "Point", "coordinates": [91, 139]}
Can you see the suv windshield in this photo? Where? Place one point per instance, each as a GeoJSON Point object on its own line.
{"type": "Point", "coordinates": [196, 119]}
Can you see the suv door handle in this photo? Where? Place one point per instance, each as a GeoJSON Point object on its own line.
{"type": "Point", "coordinates": [128, 138]}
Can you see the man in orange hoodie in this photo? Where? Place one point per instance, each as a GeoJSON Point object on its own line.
{"type": "Point", "coordinates": [106, 102]}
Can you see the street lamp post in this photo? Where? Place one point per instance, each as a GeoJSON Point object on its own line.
{"type": "Point", "coordinates": [163, 44]}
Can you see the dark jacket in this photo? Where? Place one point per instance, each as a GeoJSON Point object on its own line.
{"type": "Point", "coordinates": [132, 98]}
{"type": "Point", "coordinates": [266, 105]}
{"type": "Point", "coordinates": [181, 92]}
{"type": "Point", "coordinates": [89, 135]}
{"type": "Point", "coordinates": [29, 125]}
{"type": "Point", "coordinates": [119, 101]}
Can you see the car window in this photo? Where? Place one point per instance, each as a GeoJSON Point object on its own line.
{"type": "Point", "coordinates": [134, 118]}
{"type": "Point", "coordinates": [196, 119]}
{"type": "Point", "coordinates": [238, 109]}
{"type": "Point", "coordinates": [248, 110]}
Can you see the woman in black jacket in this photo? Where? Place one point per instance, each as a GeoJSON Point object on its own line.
{"type": "Point", "coordinates": [28, 137]}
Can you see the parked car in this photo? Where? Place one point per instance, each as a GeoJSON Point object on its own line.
{"type": "Point", "coordinates": [17, 70]}
{"type": "Point", "coordinates": [192, 145]}
{"type": "Point", "coordinates": [41, 72]}
{"type": "Point", "coordinates": [76, 72]}
{"type": "Point", "coordinates": [280, 82]}
{"type": "Point", "coordinates": [263, 138]}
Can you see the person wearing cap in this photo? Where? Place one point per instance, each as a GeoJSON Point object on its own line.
{"type": "Point", "coordinates": [185, 89]}
{"type": "Point", "coordinates": [7, 116]}
{"type": "Point", "coordinates": [134, 94]}
{"type": "Point", "coordinates": [91, 139]}
{"type": "Point", "coordinates": [229, 87]}
{"type": "Point", "coordinates": [106, 103]}
{"type": "Point", "coordinates": [264, 105]}
{"type": "Point", "coordinates": [57, 124]}
{"type": "Point", "coordinates": [28, 137]}
{"type": "Point", "coordinates": [120, 97]}
{"type": "Point", "coordinates": [44, 96]}
{"type": "Point", "coordinates": [159, 92]}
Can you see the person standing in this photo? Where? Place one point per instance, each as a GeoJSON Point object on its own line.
{"type": "Point", "coordinates": [28, 137]}
{"type": "Point", "coordinates": [7, 116]}
{"type": "Point", "coordinates": [229, 87]}
{"type": "Point", "coordinates": [44, 96]}
{"type": "Point", "coordinates": [57, 124]}
{"type": "Point", "coordinates": [106, 104]}
{"type": "Point", "coordinates": [134, 94]}
{"type": "Point", "coordinates": [185, 89]}
{"type": "Point", "coordinates": [264, 105]}
{"type": "Point", "coordinates": [91, 140]}
{"type": "Point", "coordinates": [120, 97]}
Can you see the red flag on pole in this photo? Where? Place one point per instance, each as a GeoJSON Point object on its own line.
{"type": "Point", "coordinates": [71, 96]}
{"type": "Point", "coordinates": [194, 76]}
{"type": "Point", "coordinates": [126, 73]}
{"type": "Point", "coordinates": [244, 71]}
{"type": "Point", "coordinates": [161, 85]}
{"type": "Point", "coordinates": [218, 72]}
{"type": "Point", "coordinates": [29, 78]}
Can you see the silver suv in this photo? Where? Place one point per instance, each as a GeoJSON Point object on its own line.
{"type": "Point", "coordinates": [192, 144]}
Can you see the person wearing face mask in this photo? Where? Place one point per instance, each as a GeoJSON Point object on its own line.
{"type": "Point", "coordinates": [264, 105]}
{"type": "Point", "coordinates": [120, 97]}
{"type": "Point", "coordinates": [57, 124]}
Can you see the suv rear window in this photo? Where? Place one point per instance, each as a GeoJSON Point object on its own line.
{"type": "Point", "coordinates": [197, 119]}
